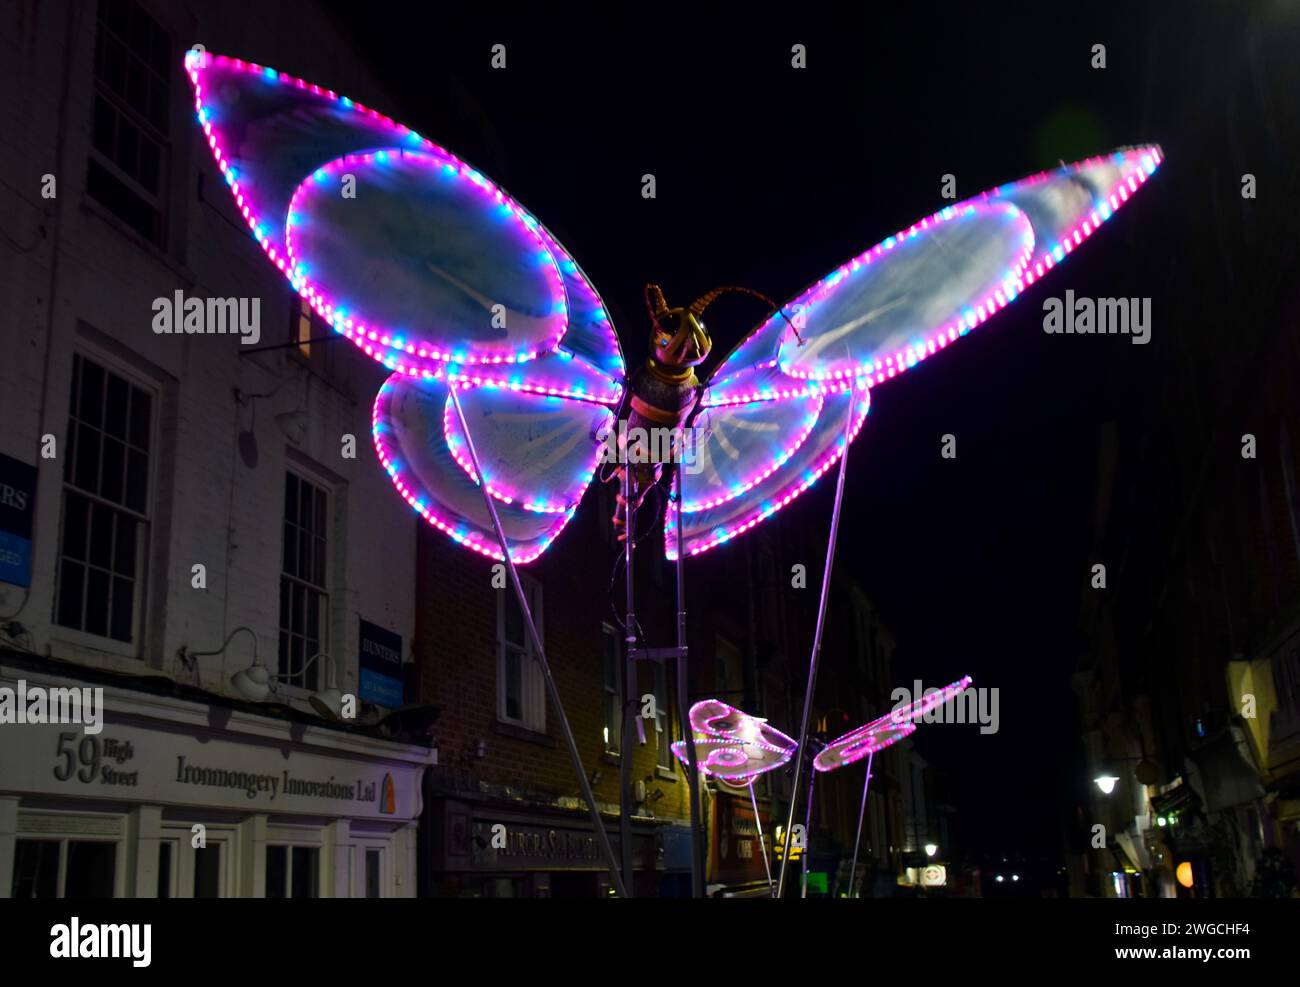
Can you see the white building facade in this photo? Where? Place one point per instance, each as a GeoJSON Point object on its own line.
{"type": "Point", "coordinates": [176, 509]}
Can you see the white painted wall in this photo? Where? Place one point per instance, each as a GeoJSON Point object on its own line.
{"type": "Point", "coordinates": [70, 276]}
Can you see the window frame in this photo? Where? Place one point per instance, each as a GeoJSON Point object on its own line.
{"type": "Point", "coordinates": [613, 711]}
{"type": "Point", "coordinates": [364, 850]}
{"type": "Point", "coordinates": [63, 840]}
{"type": "Point", "coordinates": [665, 760]}
{"type": "Point", "coordinates": [292, 685]}
{"type": "Point", "coordinates": [531, 685]}
{"type": "Point", "coordinates": [101, 88]}
{"type": "Point", "coordinates": [290, 845]}
{"type": "Point", "coordinates": [147, 519]}
{"type": "Point", "coordinates": [223, 838]}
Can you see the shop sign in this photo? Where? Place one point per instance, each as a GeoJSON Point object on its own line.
{"type": "Point", "coordinates": [132, 762]}
{"type": "Point", "coordinates": [17, 506]}
{"type": "Point", "coordinates": [379, 654]}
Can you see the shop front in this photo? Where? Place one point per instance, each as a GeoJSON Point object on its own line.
{"type": "Point", "coordinates": [487, 848]}
{"type": "Point", "coordinates": [168, 797]}
{"type": "Point", "coordinates": [735, 863]}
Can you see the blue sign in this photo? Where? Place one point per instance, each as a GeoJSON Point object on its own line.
{"type": "Point", "coordinates": [17, 505]}
{"type": "Point", "coordinates": [380, 655]}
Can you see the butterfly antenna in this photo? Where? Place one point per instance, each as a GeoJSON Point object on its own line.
{"type": "Point", "coordinates": [704, 301]}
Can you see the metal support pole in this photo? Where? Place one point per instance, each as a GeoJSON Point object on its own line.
{"type": "Point", "coordinates": [857, 840]}
{"type": "Point", "coordinates": [817, 641]}
{"type": "Point", "coordinates": [758, 824]}
{"type": "Point", "coordinates": [540, 655]}
{"type": "Point", "coordinates": [629, 682]}
{"type": "Point", "coordinates": [683, 714]}
{"type": "Point", "coordinates": [807, 833]}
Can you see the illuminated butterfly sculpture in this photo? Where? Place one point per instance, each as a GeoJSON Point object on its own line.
{"type": "Point", "coordinates": [736, 747]}
{"type": "Point", "coordinates": [435, 272]}
{"type": "Point", "coordinates": [732, 745]}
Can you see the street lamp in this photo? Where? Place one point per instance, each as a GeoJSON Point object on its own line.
{"type": "Point", "coordinates": [1106, 782]}
{"type": "Point", "coordinates": [1146, 771]}
{"type": "Point", "coordinates": [256, 682]}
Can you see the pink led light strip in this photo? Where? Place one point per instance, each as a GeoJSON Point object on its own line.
{"type": "Point", "coordinates": [832, 457]}
{"type": "Point", "coordinates": [196, 61]}
{"type": "Point", "coordinates": [570, 267]}
{"type": "Point", "coordinates": [717, 396]}
{"type": "Point", "coordinates": [924, 704]}
{"type": "Point", "coordinates": [886, 730]}
{"type": "Point", "coordinates": [732, 747]}
{"type": "Point", "coordinates": [356, 330]}
{"type": "Point", "coordinates": [417, 501]}
{"type": "Point", "coordinates": [1150, 160]}
{"type": "Point", "coordinates": [810, 422]}
{"type": "Point", "coordinates": [461, 456]}
{"type": "Point", "coordinates": [878, 370]}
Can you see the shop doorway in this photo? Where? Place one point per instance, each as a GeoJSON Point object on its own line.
{"type": "Point", "coordinates": [574, 884]}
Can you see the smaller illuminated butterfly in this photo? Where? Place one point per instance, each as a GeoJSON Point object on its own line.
{"type": "Point", "coordinates": [732, 745]}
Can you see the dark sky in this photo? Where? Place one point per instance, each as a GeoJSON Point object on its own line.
{"type": "Point", "coordinates": [769, 177]}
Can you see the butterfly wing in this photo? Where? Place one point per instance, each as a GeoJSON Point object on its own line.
{"type": "Point", "coordinates": [876, 317]}
{"type": "Point", "coordinates": [732, 745]}
{"type": "Point", "coordinates": [885, 731]}
{"type": "Point", "coordinates": [769, 476]}
{"type": "Point", "coordinates": [438, 274]}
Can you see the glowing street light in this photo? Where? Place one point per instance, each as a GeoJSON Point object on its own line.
{"type": "Point", "coordinates": [1106, 782]}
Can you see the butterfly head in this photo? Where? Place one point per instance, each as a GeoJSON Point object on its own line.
{"type": "Point", "coordinates": [679, 338]}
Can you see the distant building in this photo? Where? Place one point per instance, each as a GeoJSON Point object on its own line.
{"type": "Point", "coordinates": [1189, 678]}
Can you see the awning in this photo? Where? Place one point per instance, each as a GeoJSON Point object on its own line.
{"type": "Point", "coordinates": [1228, 776]}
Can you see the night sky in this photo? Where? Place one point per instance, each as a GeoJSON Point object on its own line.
{"type": "Point", "coordinates": [769, 177]}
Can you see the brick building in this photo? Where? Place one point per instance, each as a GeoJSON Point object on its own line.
{"type": "Point", "coordinates": [503, 761]}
